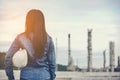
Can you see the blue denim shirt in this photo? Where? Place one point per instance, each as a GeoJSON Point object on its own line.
{"type": "Point", "coordinates": [40, 69]}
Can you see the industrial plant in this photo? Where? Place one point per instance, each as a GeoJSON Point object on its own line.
{"type": "Point", "coordinates": [72, 67]}
{"type": "Point", "coordinates": [111, 68]}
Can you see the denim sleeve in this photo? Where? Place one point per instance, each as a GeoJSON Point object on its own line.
{"type": "Point", "coordinates": [52, 60]}
{"type": "Point", "coordinates": [8, 58]}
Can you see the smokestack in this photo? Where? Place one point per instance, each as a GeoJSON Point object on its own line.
{"type": "Point", "coordinates": [89, 50]}
{"type": "Point", "coordinates": [69, 45]}
{"type": "Point", "coordinates": [56, 55]}
{"type": "Point", "coordinates": [70, 66]}
{"type": "Point", "coordinates": [69, 51]}
{"type": "Point", "coordinates": [112, 56]}
{"type": "Point", "coordinates": [118, 61]}
{"type": "Point", "coordinates": [104, 57]}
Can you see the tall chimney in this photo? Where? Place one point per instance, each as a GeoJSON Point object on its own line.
{"type": "Point", "coordinates": [56, 50]}
{"type": "Point", "coordinates": [112, 56]}
{"type": "Point", "coordinates": [118, 61]}
{"type": "Point", "coordinates": [69, 51]}
{"type": "Point", "coordinates": [69, 45]}
{"type": "Point", "coordinates": [89, 50]}
{"type": "Point", "coordinates": [104, 57]}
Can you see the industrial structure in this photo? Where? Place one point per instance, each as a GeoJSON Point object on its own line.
{"type": "Point", "coordinates": [112, 56]}
{"type": "Point", "coordinates": [56, 50]}
{"type": "Point", "coordinates": [117, 69]}
{"type": "Point", "coordinates": [89, 69]}
{"type": "Point", "coordinates": [70, 66]}
{"type": "Point", "coordinates": [104, 61]}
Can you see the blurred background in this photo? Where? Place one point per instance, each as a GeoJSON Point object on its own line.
{"type": "Point", "coordinates": [64, 17]}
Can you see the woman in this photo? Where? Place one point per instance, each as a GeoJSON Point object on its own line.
{"type": "Point", "coordinates": [40, 49]}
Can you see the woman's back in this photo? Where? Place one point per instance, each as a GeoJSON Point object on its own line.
{"type": "Point", "coordinates": [39, 47]}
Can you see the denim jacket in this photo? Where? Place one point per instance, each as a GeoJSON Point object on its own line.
{"type": "Point", "coordinates": [47, 62]}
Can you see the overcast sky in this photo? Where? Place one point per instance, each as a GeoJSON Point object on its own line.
{"type": "Point", "coordinates": [63, 17]}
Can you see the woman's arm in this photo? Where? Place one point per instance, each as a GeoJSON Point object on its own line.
{"type": "Point", "coordinates": [52, 60]}
{"type": "Point", "coordinates": [8, 58]}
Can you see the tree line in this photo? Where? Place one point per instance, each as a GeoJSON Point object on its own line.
{"type": "Point", "coordinates": [2, 60]}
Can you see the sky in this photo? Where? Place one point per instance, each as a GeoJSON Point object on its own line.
{"type": "Point", "coordinates": [63, 17]}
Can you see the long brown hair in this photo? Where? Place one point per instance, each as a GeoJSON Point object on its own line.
{"type": "Point", "coordinates": [35, 24]}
